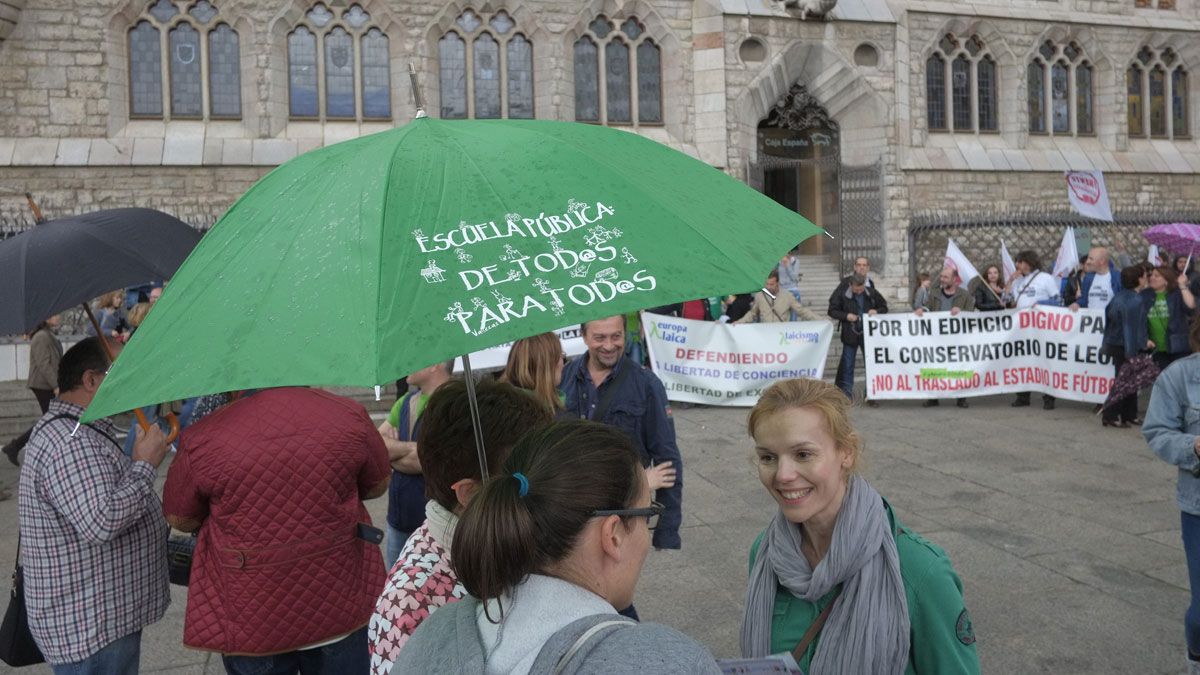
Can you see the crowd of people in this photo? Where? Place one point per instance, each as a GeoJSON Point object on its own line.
{"type": "Point", "coordinates": [518, 548]}
{"type": "Point", "coordinates": [531, 567]}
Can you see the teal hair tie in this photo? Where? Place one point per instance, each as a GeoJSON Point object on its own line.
{"type": "Point", "coordinates": [524, 490]}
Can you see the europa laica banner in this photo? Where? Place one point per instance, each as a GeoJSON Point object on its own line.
{"type": "Point", "coordinates": [724, 364]}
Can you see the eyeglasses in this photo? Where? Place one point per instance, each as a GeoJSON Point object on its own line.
{"type": "Point", "coordinates": [650, 513]}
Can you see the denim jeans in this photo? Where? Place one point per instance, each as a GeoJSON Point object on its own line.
{"type": "Point", "coordinates": [119, 656]}
{"type": "Point", "coordinates": [1190, 528]}
{"type": "Point", "coordinates": [394, 545]}
{"type": "Point", "coordinates": [845, 371]}
{"type": "Point", "coordinates": [346, 656]}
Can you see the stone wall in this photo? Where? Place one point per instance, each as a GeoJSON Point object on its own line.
{"type": "Point", "coordinates": [197, 196]}
{"type": "Point", "coordinates": [10, 13]}
{"type": "Point", "coordinates": [1001, 192]}
{"type": "Point", "coordinates": [63, 69]}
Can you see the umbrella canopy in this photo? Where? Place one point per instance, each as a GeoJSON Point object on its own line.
{"type": "Point", "coordinates": [1180, 238]}
{"type": "Point", "coordinates": [65, 262]}
{"type": "Point", "coordinates": [363, 261]}
{"type": "Point", "coordinates": [1138, 373]}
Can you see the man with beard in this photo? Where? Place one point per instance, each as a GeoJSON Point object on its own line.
{"type": "Point", "coordinates": [604, 386]}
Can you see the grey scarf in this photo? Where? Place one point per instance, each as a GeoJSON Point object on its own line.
{"type": "Point", "coordinates": [868, 628]}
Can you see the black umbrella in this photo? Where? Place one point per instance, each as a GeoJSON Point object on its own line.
{"type": "Point", "coordinates": [66, 262]}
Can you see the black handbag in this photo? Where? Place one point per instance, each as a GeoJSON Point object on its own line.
{"type": "Point", "coordinates": [17, 647]}
{"type": "Point", "coordinates": [180, 550]}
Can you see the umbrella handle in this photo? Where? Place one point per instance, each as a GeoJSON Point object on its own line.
{"type": "Point", "coordinates": [172, 423]}
{"type": "Point", "coordinates": [172, 420]}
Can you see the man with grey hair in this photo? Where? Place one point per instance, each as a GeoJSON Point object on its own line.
{"type": "Point", "coordinates": [849, 307]}
{"type": "Point", "coordinates": [950, 297]}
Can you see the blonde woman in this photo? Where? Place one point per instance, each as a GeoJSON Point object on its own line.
{"type": "Point", "coordinates": [110, 314]}
{"type": "Point", "coordinates": [536, 364]}
{"type": "Point", "coordinates": [835, 579]}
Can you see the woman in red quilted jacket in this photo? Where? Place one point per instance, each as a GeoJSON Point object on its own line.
{"type": "Point", "coordinates": [281, 581]}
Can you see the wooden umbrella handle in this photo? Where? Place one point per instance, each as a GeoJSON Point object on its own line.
{"type": "Point", "coordinates": [172, 420]}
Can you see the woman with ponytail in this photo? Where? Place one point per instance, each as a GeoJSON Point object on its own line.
{"type": "Point", "coordinates": [547, 548]}
{"type": "Point", "coordinates": [836, 581]}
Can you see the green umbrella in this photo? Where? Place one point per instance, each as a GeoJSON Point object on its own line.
{"type": "Point", "coordinates": [363, 261]}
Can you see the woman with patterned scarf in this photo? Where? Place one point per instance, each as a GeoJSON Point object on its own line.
{"type": "Point", "coordinates": [836, 581]}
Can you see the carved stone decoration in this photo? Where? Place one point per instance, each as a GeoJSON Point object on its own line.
{"type": "Point", "coordinates": [10, 11]}
{"type": "Point", "coordinates": [799, 111]}
{"type": "Point", "coordinates": [816, 9]}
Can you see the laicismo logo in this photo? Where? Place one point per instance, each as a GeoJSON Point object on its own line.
{"type": "Point", "coordinates": [789, 337]}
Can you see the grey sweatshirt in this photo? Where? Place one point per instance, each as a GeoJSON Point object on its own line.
{"type": "Point", "coordinates": [449, 642]}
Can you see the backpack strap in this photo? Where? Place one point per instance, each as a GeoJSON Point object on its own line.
{"type": "Point", "coordinates": [814, 629]}
{"type": "Point", "coordinates": [69, 416]}
{"type": "Point", "coordinates": [586, 637]}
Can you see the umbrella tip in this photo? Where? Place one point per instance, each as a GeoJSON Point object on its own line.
{"type": "Point", "coordinates": [420, 114]}
{"type": "Point", "coordinates": [378, 392]}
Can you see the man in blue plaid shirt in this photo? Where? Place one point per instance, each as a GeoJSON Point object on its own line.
{"type": "Point", "coordinates": [93, 537]}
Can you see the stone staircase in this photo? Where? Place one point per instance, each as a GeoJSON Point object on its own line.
{"type": "Point", "coordinates": [821, 277]}
{"type": "Point", "coordinates": [18, 409]}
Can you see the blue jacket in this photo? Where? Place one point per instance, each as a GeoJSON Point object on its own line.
{"type": "Point", "coordinates": [1114, 276]}
{"type": "Point", "coordinates": [640, 409]}
{"type": "Point", "coordinates": [1173, 423]}
{"type": "Point", "coordinates": [1178, 320]}
{"type": "Point", "coordinates": [1125, 327]}
{"type": "Point", "coordinates": [406, 492]}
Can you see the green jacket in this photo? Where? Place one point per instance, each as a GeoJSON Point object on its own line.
{"type": "Point", "coordinates": [943, 638]}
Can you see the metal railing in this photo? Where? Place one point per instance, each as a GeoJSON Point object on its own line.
{"type": "Point", "coordinates": [979, 234]}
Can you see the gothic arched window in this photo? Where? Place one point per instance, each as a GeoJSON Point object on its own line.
{"type": "Point", "coordinates": [1156, 86]}
{"type": "Point", "coordinates": [338, 66]}
{"type": "Point", "coordinates": [202, 70]}
{"type": "Point", "coordinates": [1061, 75]}
{"type": "Point", "coordinates": [965, 96]}
{"type": "Point", "coordinates": [486, 68]}
{"type": "Point", "coordinates": [618, 74]}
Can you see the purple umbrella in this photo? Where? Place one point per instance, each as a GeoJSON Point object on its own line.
{"type": "Point", "coordinates": [1176, 237]}
{"type": "Point", "coordinates": [1138, 373]}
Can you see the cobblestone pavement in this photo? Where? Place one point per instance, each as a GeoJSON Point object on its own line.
{"type": "Point", "coordinates": [1065, 534]}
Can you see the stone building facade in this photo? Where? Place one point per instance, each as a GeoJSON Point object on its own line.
{"type": "Point", "coordinates": [849, 118]}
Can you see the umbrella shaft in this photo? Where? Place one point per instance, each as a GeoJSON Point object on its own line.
{"type": "Point", "coordinates": [141, 416]}
{"type": "Point", "coordinates": [473, 403]}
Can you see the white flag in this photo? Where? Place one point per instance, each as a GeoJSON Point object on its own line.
{"type": "Point", "coordinates": [1152, 256]}
{"type": "Point", "coordinates": [1006, 261]}
{"type": "Point", "coordinates": [959, 263]}
{"type": "Point", "coordinates": [1068, 255]}
{"type": "Point", "coordinates": [1088, 195]}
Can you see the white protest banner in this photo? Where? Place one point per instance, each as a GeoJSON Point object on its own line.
{"type": "Point", "coordinates": [1088, 195]}
{"type": "Point", "coordinates": [1045, 349]}
{"type": "Point", "coordinates": [959, 263]}
{"type": "Point", "coordinates": [496, 357]}
{"type": "Point", "coordinates": [726, 364]}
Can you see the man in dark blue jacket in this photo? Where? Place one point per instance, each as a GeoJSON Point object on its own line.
{"type": "Point", "coordinates": [604, 386]}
